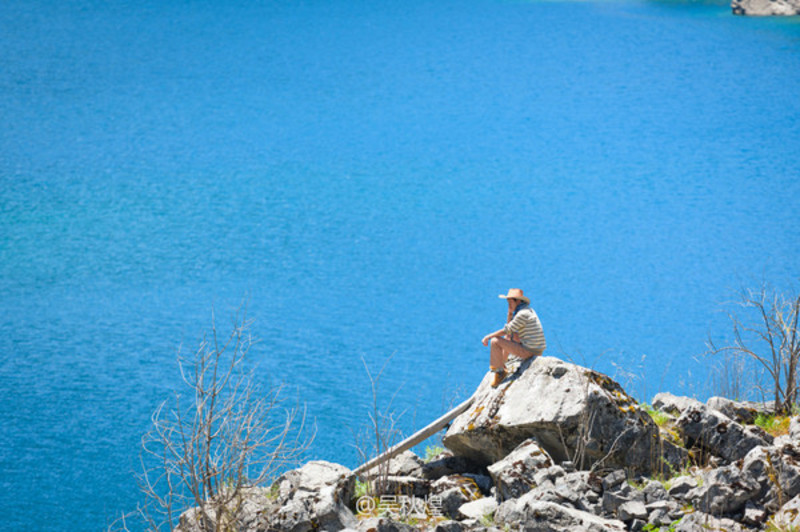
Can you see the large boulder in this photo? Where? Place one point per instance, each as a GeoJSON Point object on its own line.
{"type": "Point", "coordinates": [724, 491]}
{"type": "Point", "coordinates": [574, 413]}
{"type": "Point", "coordinates": [544, 516]}
{"type": "Point", "coordinates": [765, 7]}
{"type": "Point", "coordinates": [514, 475]}
{"type": "Point", "coordinates": [313, 497]}
{"type": "Point", "coordinates": [788, 517]}
{"type": "Point", "coordinates": [716, 433]}
{"type": "Point", "coordinates": [744, 412]}
{"type": "Point", "coordinates": [776, 471]}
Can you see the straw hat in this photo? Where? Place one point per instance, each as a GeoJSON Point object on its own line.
{"type": "Point", "coordinates": [515, 293]}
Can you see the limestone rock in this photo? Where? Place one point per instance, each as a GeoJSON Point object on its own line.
{"type": "Point", "coordinates": [447, 464]}
{"type": "Point", "coordinates": [794, 428]}
{"type": "Point", "coordinates": [632, 510]}
{"type": "Point", "coordinates": [453, 492]}
{"type": "Point", "coordinates": [574, 413]}
{"type": "Point", "coordinates": [724, 491]}
{"type": "Point", "coordinates": [543, 516]}
{"type": "Point", "coordinates": [765, 7]}
{"type": "Point", "coordinates": [448, 526]}
{"type": "Point", "coordinates": [681, 485]}
{"type": "Point", "coordinates": [699, 521]}
{"type": "Point", "coordinates": [788, 517]}
{"type": "Point", "coordinates": [776, 471]}
{"type": "Point", "coordinates": [744, 413]}
{"type": "Point", "coordinates": [673, 404]}
{"type": "Point", "coordinates": [478, 508]}
{"type": "Point", "coordinates": [715, 432]}
{"type": "Point", "coordinates": [514, 475]}
{"type": "Point", "coordinates": [312, 497]}
{"type": "Point", "coordinates": [380, 524]}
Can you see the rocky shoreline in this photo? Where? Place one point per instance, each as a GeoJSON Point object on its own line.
{"type": "Point", "coordinates": [766, 8]}
{"type": "Point", "coordinates": [556, 447]}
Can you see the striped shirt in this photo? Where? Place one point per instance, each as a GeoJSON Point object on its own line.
{"type": "Point", "coordinates": [527, 325]}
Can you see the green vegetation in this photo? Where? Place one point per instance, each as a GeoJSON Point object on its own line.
{"type": "Point", "coordinates": [487, 520]}
{"type": "Point", "coordinates": [362, 488]}
{"type": "Point", "coordinates": [774, 424]}
{"type": "Point", "coordinates": [772, 527]}
{"type": "Point", "coordinates": [660, 418]}
{"type": "Point", "coordinates": [650, 527]}
{"type": "Point", "coordinates": [432, 451]}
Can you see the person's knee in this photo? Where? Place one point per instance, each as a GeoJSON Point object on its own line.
{"type": "Point", "coordinates": [495, 342]}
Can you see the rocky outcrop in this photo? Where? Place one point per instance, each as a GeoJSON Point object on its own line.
{"type": "Point", "coordinates": [586, 418]}
{"type": "Point", "coordinates": [726, 475]}
{"type": "Point", "coordinates": [718, 434]}
{"type": "Point", "coordinates": [766, 7]}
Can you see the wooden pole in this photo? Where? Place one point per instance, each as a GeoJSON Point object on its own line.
{"type": "Point", "coordinates": [414, 439]}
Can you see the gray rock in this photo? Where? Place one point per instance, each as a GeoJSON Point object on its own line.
{"type": "Point", "coordinates": [673, 404]}
{"type": "Point", "coordinates": [448, 526]}
{"type": "Point", "coordinates": [478, 508]}
{"type": "Point", "coordinates": [454, 491]}
{"type": "Point", "coordinates": [775, 471]}
{"type": "Point", "coordinates": [406, 464]}
{"type": "Point", "coordinates": [407, 485]}
{"type": "Point", "coordinates": [660, 517]}
{"type": "Point", "coordinates": [754, 515]}
{"type": "Point", "coordinates": [699, 521]}
{"type": "Point", "coordinates": [380, 524]}
{"type": "Point", "coordinates": [724, 491]}
{"type": "Point", "coordinates": [788, 517]}
{"type": "Point", "coordinates": [718, 434]}
{"type": "Point", "coordinates": [314, 496]}
{"type": "Point", "coordinates": [614, 479]}
{"type": "Point", "coordinates": [483, 482]}
{"type": "Point", "coordinates": [586, 417]}
{"type": "Point", "coordinates": [632, 510]}
{"type": "Point", "coordinates": [542, 516]}
{"type": "Point", "coordinates": [680, 486]}
{"type": "Point", "coordinates": [551, 475]}
{"type": "Point", "coordinates": [514, 475]}
{"type": "Point", "coordinates": [667, 511]}
{"type": "Point", "coordinates": [765, 7]}
{"type": "Point", "coordinates": [744, 413]}
{"type": "Point", "coordinates": [794, 428]}
{"type": "Point", "coordinates": [576, 490]}
{"type": "Point", "coordinates": [447, 464]}
{"type": "Point", "coordinates": [637, 525]}
{"type": "Point", "coordinates": [613, 499]}
{"type": "Point", "coordinates": [654, 491]}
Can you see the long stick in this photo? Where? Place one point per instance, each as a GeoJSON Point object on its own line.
{"type": "Point", "coordinates": [417, 437]}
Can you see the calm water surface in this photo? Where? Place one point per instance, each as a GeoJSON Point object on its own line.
{"type": "Point", "coordinates": [369, 176]}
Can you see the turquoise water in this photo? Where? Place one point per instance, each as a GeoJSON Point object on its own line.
{"type": "Point", "coordinates": [368, 176]}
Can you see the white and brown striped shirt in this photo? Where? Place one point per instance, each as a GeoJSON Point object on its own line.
{"type": "Point", "coordinates": [527, 325]}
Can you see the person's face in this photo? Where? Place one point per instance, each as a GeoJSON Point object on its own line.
{"type": "Point", "coordinates": [512, 303]}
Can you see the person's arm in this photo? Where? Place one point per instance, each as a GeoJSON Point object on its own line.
{"type": "Point", "coordinates": [495, 334]}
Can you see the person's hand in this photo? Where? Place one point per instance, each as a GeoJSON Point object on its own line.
{"type": "Point", "coordinates": [485, 340]}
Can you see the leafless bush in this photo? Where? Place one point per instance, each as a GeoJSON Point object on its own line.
{"type": "Point", "coordinates": [381, 434]}
{"type": "Point", "coordinates": [768, 336]}
{"type": "Point", "coordinates": [225, 434]}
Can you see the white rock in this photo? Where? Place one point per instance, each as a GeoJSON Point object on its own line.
{"type": "Point", "coordinates": [561, 405]}
{"type": "Point", "coordinates": [479, 508]}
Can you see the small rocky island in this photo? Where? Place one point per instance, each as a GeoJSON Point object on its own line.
{"type": "Point", "coordinates": [556, 447]}
{"type": "Point", "coordinates": [766, 7]}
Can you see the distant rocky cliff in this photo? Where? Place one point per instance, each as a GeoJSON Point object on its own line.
{"type": "Point", "coordinates": [766, 7]}
{"type": "Point", "coordinates": [556, 447]}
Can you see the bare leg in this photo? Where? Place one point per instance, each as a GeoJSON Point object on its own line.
{"type": "Point", "coordinates": [500, 348]}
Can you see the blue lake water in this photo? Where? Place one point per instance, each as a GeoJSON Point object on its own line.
{"type": "Point", "coordinates": [369, 176]}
